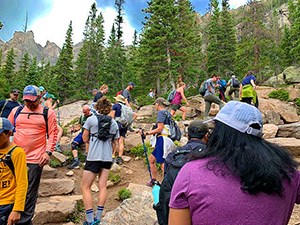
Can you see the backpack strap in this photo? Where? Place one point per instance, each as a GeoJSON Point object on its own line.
{"type": "Point", "coordinates": [3, 107]}
{"type": "Point", "coordinates": [19, 109]}
{"type": "Point", "coordinates": [45, 115]}
{"type": "Point", "coordinates": [8, 161]}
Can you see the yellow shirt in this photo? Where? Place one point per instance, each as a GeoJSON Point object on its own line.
{"type": "Point", "coordinates": [13, 188]}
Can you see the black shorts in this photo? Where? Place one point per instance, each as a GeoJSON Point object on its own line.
{"type": "Point", "coordinates": [175, 107]}
{"type": "Point", "coordinates": [122, 130]}
{"type": "Point", "coordinates": [96, 166]}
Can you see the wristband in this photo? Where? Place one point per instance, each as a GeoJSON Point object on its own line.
{"type": "Point", "coordinates": [49, 153]}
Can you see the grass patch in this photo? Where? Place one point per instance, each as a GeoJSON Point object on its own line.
{"type": "Point", "coordinates": [77, 215]}
{"type": "Point", "coordinates": [124, 193]}
{"type": "Point", "coordinates": [54, 163]}
{"type": "Point", "coordinates": [114, 177]}
{"type": "Point", "coordinates": [138, 151]}
{"type": "Point", "coordinates": [280, 94]}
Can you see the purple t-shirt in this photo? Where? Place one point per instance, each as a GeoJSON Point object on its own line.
{"type": "Point", "coordinates": [218, 199]}
{"type": "Point", "coordinates": [177, 98]}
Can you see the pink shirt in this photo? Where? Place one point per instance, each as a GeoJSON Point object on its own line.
{"type": "Point", "coordinates": [177, 98]}
{"type": "Point", "coordinates": [31, 132]}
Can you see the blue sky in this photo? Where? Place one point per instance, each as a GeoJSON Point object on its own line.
{"type": "Point", "coordinates": [49, 19]}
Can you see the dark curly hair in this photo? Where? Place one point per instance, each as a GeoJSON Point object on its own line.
{"type": "Point", "coordinates": [103, 105]}
{"type": "Point", "coordinates": [260, 165]}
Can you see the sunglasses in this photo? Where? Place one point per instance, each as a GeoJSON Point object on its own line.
{"type": "Point", "coordinates": [16, 95]}
{"type": "Point", "coordinates": [28, 101]}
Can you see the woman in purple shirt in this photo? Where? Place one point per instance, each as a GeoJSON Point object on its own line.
{"type": "Point", "coordinates": [176, 102]}
{"type": "Point", "coordinates": [240, 178]}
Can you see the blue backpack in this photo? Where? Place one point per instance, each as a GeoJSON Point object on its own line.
{"type": "Point", "coordinates": [223, 83]}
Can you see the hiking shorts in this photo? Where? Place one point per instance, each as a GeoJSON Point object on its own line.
{"type": "Point", "coordinates": [77, 141]}
{"type": "Point", "coordinates": [96, 166]}
{"type": "Point", "coordinates": [158, 151]}
{"type": "Point", "coordinates": [122, 130]}
{"type": "Point", "coordinates": [175, 107]}
{"type": "Point", "coordinates": [5, 210]}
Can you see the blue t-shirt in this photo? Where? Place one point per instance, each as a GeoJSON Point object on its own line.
{"type": "Point", "coordinates": [117, 108]}
{"type": "Point", "coordinates": [126, 94]}
{"type": "Point", "coordinates": [247, 80]}
{"type": "Point", "coordinates": [162, 117]}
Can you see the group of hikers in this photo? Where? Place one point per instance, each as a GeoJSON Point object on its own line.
{"type": "Point", "coordinates": [225, 174]}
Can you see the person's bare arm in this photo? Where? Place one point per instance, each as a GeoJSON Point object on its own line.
{"type": "Point", "coordinates": [86, 136]}
{"type": "Point", "coordinates": [183, 96]}
{"type": "Point", "coordinates": [180, 217]}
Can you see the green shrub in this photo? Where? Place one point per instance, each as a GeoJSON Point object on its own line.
{"type": "Point", "coordinates": [54, 163]}
{"type": "Point", "coordinates": [280, 94]}
{"type": "Point", "coordinates": [177, 117]}
{"type": "Point", "coordinates": [297, 101]}
{"type": "Point", "coordinates": [114, 177]}
{"type": "Point", "coordinates": [124, 193]}
{"type": "Point", "coordinates": [144, 100]}
{"type": "Point", "coordinates": [138, 151]}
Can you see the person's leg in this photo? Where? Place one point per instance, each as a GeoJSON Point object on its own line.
{"type": "Point", "coordinates": [237, 93]}
{"type": "Point", "coordinates": [102, 183]}
{"type": "Point", "coordinates": [153, 169]}
{"type": "Point", "coordinates": [183, 110]}
{"type": "Point", "coordinates": [75, 145]}
{"type": "Point", "coordinates": [34, 177]}
{"type": "Point", "coordinates": [230, 92]}
{"type": "Point", "coordinates": [88, 178]}
{"type": "Point", "coordinates": [59, 135]}
{"type": "Point", "coordinates": [121, 150]}
{"type": "Point", "coordinates": [214, 99]}
{"type": "Point", "coordinates": [172, 112]}
{"type": "Point", "coordinates": [207, 106]}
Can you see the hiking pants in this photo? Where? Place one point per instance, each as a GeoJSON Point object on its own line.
{"type": "Point", "coordinates": [5, 210]}
{"type": "Point", "coordinates": [34, 177]}
{"type": "Point", "coordinates": [211, 99]}
{"type": "Point", "coordinates": [235, 91]}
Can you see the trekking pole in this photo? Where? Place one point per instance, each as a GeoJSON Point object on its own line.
{"type": "Point", "coordinates": [143, 136]}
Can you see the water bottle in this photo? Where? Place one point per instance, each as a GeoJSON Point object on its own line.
{"type": "Point", "coordinates": [155, 192]}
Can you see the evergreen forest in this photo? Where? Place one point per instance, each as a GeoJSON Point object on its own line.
{"type": "Point", "coordinates": [175, 42]}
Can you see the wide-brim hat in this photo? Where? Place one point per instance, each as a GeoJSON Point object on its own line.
{"type": "Point", "coordinates": [120, 98]}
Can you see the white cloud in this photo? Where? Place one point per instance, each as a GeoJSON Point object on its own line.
{"type": "Point", "coordinates": [236, 3]}
{"type": "Point", "coordinates": [54, 25]}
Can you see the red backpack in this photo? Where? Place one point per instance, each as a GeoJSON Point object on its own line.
{"type": "Point", "coordinates": [119, 93]}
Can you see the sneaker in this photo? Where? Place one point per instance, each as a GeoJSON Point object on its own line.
{"type": "Point", "coordinates": [131, 129]}
{"type": "Point", "coordinates": [151, 183]}
{"type": "Point", "coordinates": [119, 160]}
{"type": "Point", "coordinates": [96, 222]}
{"type": "Point", "coordinates": [75, 165]}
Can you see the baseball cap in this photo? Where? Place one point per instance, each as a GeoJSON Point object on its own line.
{"type": "Point", "coordinates": [51, 96]}
{"type": "Point", "coordinates": [31, 93]}
{"type": "Point", "coordinates": [131, 84]}
{"type": "Point", "coordinates": [241, 116]}
{"type": "Point", "coordinates": [161, 101]}
{"type": "Point", "coordinates": [197, 129]}
{"type": "Point", "coordinates": [5, 124]}
{"type": "Point", "coordinates": [15, 91]}
{"type": "Point", "coordinates": [41, 88]}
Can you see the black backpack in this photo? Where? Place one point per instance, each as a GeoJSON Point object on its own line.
{"type": "Point", "coordinates": [175, 133]}
{"type": "Point", "coordinates": [104, 123]}
{"type": "Point", "coordinates": [235, 83]}
{"type": "Point", "coordinates": [44, 114]}
{"type": "Point", "coordinates": [7, 160]}
{"type": "Point", "coordinates": [174, 162]}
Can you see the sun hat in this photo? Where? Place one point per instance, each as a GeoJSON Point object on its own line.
{"type": "Point", "coordinates": [162, 101]}
{"type": "Point", "coordinates": [241, 116]}
{"type": "Point", "coordinates": [197, 128]}
{"type": "Point", "coordinates": [120, 98]}
{"type": "Point", "coordinates": [5, 124]}
{"type": "Point", "coordinates": [31, 93]}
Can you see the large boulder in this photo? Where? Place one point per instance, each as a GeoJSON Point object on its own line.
{"type": "Point", "coordinates": [272, 117]}
{"type": "Point", "coordinates": [56, 209]}
{"type": "Point", "coordinates": [291, 144]}
{"type": "Point", "coordinates": [275, 80]}
{"type": "Point", "coordinates": [270, 131]}
{"type": "Point", "coordinates": [291, 75]}
{"type": "Point", "coordinates": [52, 187]}
{"type": "Point", "coordinates": [146, 111]}
{"type": "Point", "coordinates": [289, 130]}
{"type": "Point", "coordinates": [287, 111]}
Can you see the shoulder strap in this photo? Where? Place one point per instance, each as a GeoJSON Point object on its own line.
{"type": "Point", "coordinates": [3, 107]}
{"type": "Point", "coordinates": [8, 160]}
{"type": "Point", "coordinates": [45, 115]}
{"type": "Point", "coordinates": [19, 109]}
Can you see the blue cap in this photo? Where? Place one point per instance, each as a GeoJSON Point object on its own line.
{"type": "Point", "coordinates": [241, 116]}
{"type": "Point", "coordinates": [31, 93]}
{"type": "Point", "coordinates": [5, 124]}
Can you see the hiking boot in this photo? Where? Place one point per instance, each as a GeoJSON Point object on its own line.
{"type": "Point", "coordinates": [151, 183]}
{"type": "Point", "coordinates": [119, 160]}
{"type": "Point", "coordinates": [131, 129]}
{"type": "Point", "coordinates": [75, 165]}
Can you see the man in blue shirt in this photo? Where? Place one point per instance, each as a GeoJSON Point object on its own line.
{"type": "Point", "coordinates": [8, 104]}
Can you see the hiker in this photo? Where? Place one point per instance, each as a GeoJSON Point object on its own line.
{"type": "Point", "coordinates": [43, 93]}
{"type": "Point", "coordinates": [49, 98]}
{"type": "Point", "coordinates": [240, 178]}
{"type": "Point", "coordinates": [234, 87]}
{"type": "Point", "coordinates": [151, 94]}
{"type": "Point", "coordinates": [13, 176]}
{"type": "Point", "coordinates": [222, 84]}
{"type": "Point", "coordinates": [7, 105]}
{"type": "Point", "coordinates": [176, 102]}
{"type": "Point", "coordinates": [102, 91]}
{"type": "Point", "coordinates": [126, 93]}
{"type": "Point", "coordinates": [163, 144]}
{"type": "Point", "coordinates": [248, 92]}
{"type": "Point", "coordinates": [198, 134]}
{"type": "Point", "coordinates": [116, 113]}
{"type": "Point", "coordinates": [99, 158]}
{"type": "Point", "coordinates": [78, 141]}
{"type": "Point", "coordinates": [36, 133]}
{"type": "Point", "coordinates": [210, 96]}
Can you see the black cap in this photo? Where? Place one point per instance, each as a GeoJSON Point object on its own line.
{"type": "Point", "coordinates": [197, 129]}
{"type": "Point", "coordinates": [131, 84]}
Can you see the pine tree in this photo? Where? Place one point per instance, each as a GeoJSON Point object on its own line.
{"type": "Point", "coordinates": [23, 71]}
{"type": "Point", "coordinates": [119, 20]}
{"type": "Point", "coordinates": [294, 8]}
{"type": "Point", "coordinates": [213, 54]}
{"type": "Point", "coordinates": [32, 75]}
{"type": "Point", "coordinates": [64, 68]}
{"type": "Point", "coordinates": [9, 68]}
